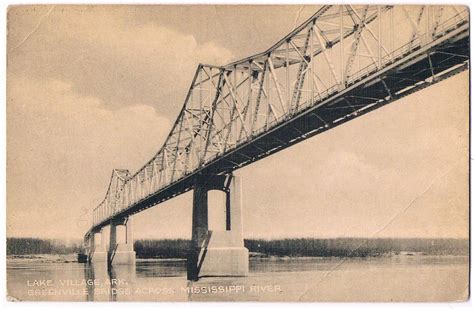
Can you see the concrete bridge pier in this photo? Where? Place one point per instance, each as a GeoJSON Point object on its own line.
{"type": "Point", "coordinates": [121, 242]}
{"type": "Point", "coordinates": [219, 252]}
{"type": "Point", "coordinates": [97, 252]}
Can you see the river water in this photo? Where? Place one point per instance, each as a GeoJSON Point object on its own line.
{"type": "Point", "coordinates": [398, 278]}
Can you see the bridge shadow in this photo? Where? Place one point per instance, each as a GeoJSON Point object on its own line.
{"type": "Point", "coordinates": [112, 254]}
{"type": "Point", "coordinates": [204, 245]}
{"type": "Point", "coordinates": [196, 258]}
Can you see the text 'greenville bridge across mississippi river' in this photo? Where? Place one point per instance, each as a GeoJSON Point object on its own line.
{"type": "Point", "coordinates": [341, 63]}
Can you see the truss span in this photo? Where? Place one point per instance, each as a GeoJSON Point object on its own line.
{"type": "Point", "coordinates": [341, 63]}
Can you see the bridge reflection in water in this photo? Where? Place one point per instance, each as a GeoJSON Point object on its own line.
{"type": "Point", "coordinates": [109, 283]}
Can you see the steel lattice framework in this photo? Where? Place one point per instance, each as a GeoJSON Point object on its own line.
{"type": "Point", "coordinates": [339, 64]}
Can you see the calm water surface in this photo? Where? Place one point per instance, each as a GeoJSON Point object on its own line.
{"type": "Point", "coordinates": [307, 279]}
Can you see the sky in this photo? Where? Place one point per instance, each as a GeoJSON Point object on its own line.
{"type": "Point", "coordinates": [92, 88]}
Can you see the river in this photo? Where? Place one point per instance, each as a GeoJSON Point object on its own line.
{"type": "Point", "coordinates": [397, 278]}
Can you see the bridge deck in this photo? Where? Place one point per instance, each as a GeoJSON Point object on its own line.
{"type": "Point", "coordinates": [404, 71]}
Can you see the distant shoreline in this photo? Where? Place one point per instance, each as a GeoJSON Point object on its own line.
{"type": "Point", "coordinates": [28, 248]}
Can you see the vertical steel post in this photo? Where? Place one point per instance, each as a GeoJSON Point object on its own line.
{"type": "Point", "coordinates": [379, 35]}
{"type": "Point", "coordinates": [341, 45]}
{"type": "Point", "coordinates": [287, 69]}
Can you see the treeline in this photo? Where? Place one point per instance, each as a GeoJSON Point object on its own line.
{"type": "Point", "coordinates": [312, 247]}
{"type": "Point", "coordinates": [166, 248]}
{"type": "Point", "coordinates": [357, 247]}
{"type": "Point", "coordinates": [19, 246]}
{"type": "Point", "coordinates": [294, 247]}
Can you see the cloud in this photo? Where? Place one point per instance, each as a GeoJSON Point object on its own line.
{"type": "Point", "coordinates": [62, 147]}
{"type": "Point", "coordinates": [102, 53]}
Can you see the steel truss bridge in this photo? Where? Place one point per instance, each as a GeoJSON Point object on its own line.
{"type": "Point", "coordinates": [339, 64]}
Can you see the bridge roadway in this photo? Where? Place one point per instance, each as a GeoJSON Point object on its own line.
{"type": "Point", "coordinates": [425, 59]}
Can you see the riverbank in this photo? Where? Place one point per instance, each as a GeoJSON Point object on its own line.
{"type": "Point", "coordinates": [43, 258]}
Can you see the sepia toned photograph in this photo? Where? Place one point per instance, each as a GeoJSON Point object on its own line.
{"type": "Point", "coordinates": [238, 153]}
